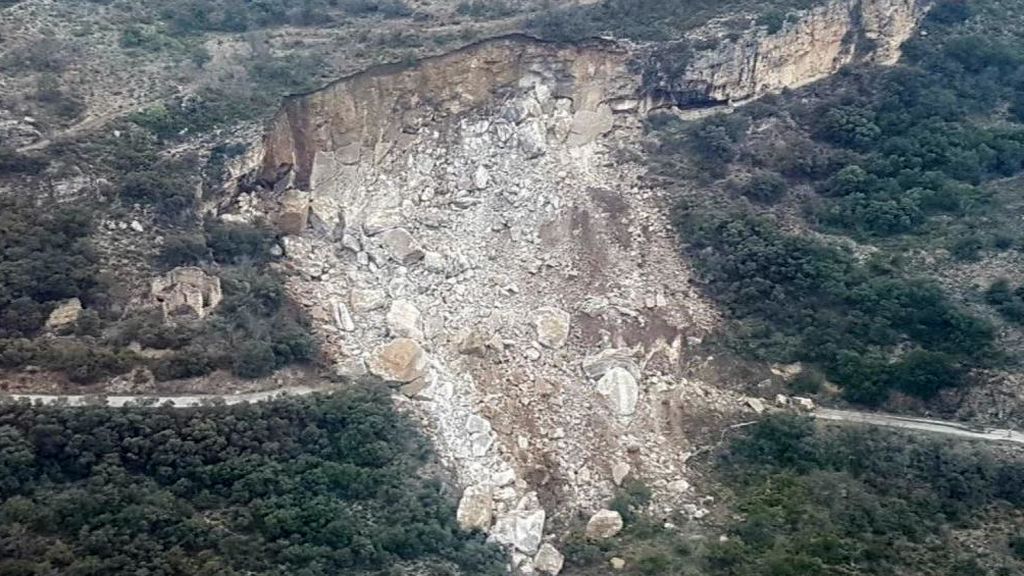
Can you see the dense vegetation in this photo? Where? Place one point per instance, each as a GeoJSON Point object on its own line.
{"type": "Point", "coordinates": [311, 486]}
{"type": "Point", "coordinates": [898, 158]}
{"type": "Point", "coordinates": [837, 501]}
{"type": "Point", "coordinates": [654, 19]}
{"type": "Point", "coordinates": [46, 257]}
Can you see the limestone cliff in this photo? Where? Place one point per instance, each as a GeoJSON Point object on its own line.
{"type": "Point", "coordinates": [366, 115]}
{"type": "Point", "coordinates": [807, 49]}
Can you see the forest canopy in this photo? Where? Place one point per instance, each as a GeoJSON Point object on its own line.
{"type": "Point", "coordinates": [309, 486]}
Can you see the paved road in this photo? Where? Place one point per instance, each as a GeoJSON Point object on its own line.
{"type": "Point", "coordinates": [174, 401]}
{"type": "Point", "coordinates": [944, 427]}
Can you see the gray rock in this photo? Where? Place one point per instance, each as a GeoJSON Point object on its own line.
{"type": "Point", "coordinates": [552, 326]}
{"type": "Point", "coordinates": [604, 524]}
{"type": "Point", "coordinates": [533, 139]}
{"type": "Point", "coordinates": [402, 246]}
{"type": "Point", "coordinates": [404, 320]}
{"type": "Point", "coordinates": [351, 368]}
{"type": "Point", "coordinates": [597, 365]}
{"type": "Point", "coordinates": [621, 389]}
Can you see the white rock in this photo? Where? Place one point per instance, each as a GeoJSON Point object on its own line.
{"type": "Point", "coordinates": [604, 524]}
{"type": "Point", "coordinates": [804, 403]}
{"type": "Point", "coordinates": [351, 368]}
{"type": "Point", "coordinates": [342, 317]}
{"type": "Point", "coordinates": [404, 320]}
{"type": "Point", "coordinates": [756, 405]}
{"type": "Point", "coordinates": [548, 560]}
{"type": "Point", "coordinates": [619, 472]}
{"type": "Point", "coordinates": [521, 529]}
{"type": "Point", "coordinates": [481, 178]}
{"type": "Point", "coordinates": [621, 389]}
{"type": "Point", "coordinates": [64, 315]}
{"type": "Point", "coordinates": [679, 486]}
{"type": "Point", "coordinates": [136, 226]}
{"type": "Point", "coordinates": [617, 563]}
{"type": "Point", "coordinates": [474, 511]}
{"type": "Point", "coordinates": [552, 326]}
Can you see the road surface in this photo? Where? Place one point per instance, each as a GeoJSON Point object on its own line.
{"type": "Point", "coordinates": [943, 427]}
{"type": "Point", "coordinates": [174, 401]}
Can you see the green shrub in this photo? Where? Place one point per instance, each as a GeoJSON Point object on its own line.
{"type": "Point", "coordinates": [764, 187]}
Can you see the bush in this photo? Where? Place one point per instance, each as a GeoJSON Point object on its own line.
{"type": "Point", "coordinates": [764, 187]}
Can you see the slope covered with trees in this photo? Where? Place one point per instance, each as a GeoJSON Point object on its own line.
{"type": "Point", "coordinates": [838, 501]}
{"type": "Point", "coordinates": [896, 160]}
{"type": "Point", "coordinates": [317, 485]}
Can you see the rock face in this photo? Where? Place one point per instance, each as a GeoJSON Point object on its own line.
{"type": "Point", "coordinates": [400, 361]}
{"type": "Point", "coordinates": [474, 511]}
{"type": "Point", "coordinates": [64, 315]}
{"type": "Point", "coordinates": [815, 46]}
{"type": "Point", "coordinates": [604, 524]}
{"type": "Point", "coordinates": [552, 327]}
{"type": "Point", "coordinates": [186, 293]}
{"type": "Point", "coordinates": [350, 120]}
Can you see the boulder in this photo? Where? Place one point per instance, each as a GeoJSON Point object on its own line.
{"type": "Point", "coordinates": [481, 178]}
{"type": "Point", "coordinates": [473, 342]}
{"type": "Point", "coordinates": [533, 139]}
{"type": "Point", "coordinates": [520, 529]}
{"type": "Point", "coordinates": [342, 317]}
{"type": "Point", "coordinates": [597, 365]}
{"type": "Point", "coordinates": [402, 246]}
{"type": "Point", "coordinates": [64, 315]}
{"type": "Point", "coordinates": [293, 213]}
{"type": "Point", "coordinates": [617, 563]}
{"type": "Point", "coordinates": [621, 389]}
{"type": "Point", "coordinates": [400, 361]}
{"type": "Point", "coordinates": [604, 524]}
{"type": "Point", "coordinates": [474, 511]}
{"type": "Point", "coordinates": [552, 326]}
{"type": "Point", "coordinates": [367, 299]}
{"type": "Point", "coordinates": [619, 472]}
{"type": "Point", "coordinates": [404, 320]}
{"type": "Point", "coordinates": [548, 560]}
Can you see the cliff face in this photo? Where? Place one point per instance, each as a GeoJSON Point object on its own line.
{"type": "Point", "coordinates": [371, 113]}
{"type": "Point", "coordinates": [811, 48]}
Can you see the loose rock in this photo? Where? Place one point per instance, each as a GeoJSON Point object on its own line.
{"type": "Point", "coordinates": [604, 524]}
{"type": "Point", "coordinates": [404, 320]}
{"type": "Point", "coordinates": [552, 326]}
{"type": "Point", "coordinates": [621, 389]}
{"type": "Point", "coordinates": [548, 560]}
{"type": "Point", "coordinates": [402, 246]}
{"type": "Point", "coordinates": [400, 361]}
{"type": "Point", "coordinates": [474, 511]}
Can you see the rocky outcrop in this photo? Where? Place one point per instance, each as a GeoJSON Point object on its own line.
{"type": "Point", "coordinates": [186, 293]}
{"type": "Point", "coordinates": [64, 315]}
{"type": "Point", "coordinates": [319, 138]}
{"type": "Point", "coordinates": [809, 48]}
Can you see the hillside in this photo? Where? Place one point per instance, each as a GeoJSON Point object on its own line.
{"type": "Point", "coordinates": [584, 246]}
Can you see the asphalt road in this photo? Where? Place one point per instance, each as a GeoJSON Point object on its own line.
{"type": "Point", "coordinates": [943, 427]}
